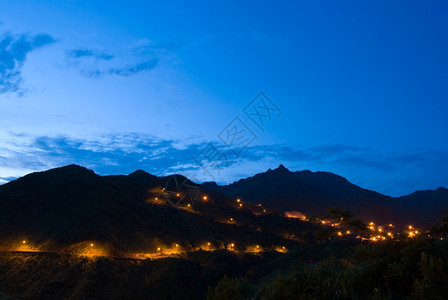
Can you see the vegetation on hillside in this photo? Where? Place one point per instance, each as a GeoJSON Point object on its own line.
{"type": "Point", "coordinates": [413, 269]}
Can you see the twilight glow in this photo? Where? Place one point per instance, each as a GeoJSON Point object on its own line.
{"type": "Point", "coordinates": [360, 88]}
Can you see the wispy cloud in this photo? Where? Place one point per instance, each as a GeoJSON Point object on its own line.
{"type": "Point", "coordinates": [89, 53]}
{"type": "Point", "coordinates": [106, 154]}
{"type": "Point", "coordinates": [142, 56]}
{"type": "Point", "coordinates": [134, 69]}
{"type": "Point", "coordinates": [161, 50]}
{"type": "Point", "coordinates": [122, 71]}
{"type": "Point", "coordinates": [391, 173]}
{"type": "Point", "coordinates": [14, 50]}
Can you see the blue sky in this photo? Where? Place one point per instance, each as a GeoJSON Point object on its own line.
{"type": "Point", "coordinates": [355, 88]}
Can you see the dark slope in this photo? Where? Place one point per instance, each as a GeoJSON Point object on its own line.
{"type": "Point", "coordinates": [425, 207]}
{"type": "Point", "coordinates": [310, 192]}
{"type": "Point", "coordinates": [141, 185]}
{"type": "Point", "coordinates": [137, 184]}
{"type": "Point", "coordinates": [54, 276]}
{"type": "Point", "coordinates": [61, 204]}
{"type": "Point", "coordinates": [70, 205]}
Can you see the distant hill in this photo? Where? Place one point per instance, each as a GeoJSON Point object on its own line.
{"type": "Point", "coordinates": [314, 192]}
{"type": "Point", "coordinates": [311, 193]}
{"type": "Point", "coordinates": [425, 207]}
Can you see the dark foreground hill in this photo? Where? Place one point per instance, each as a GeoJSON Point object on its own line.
{"type": "Point", "coordinates": [73, 207]}
{"type": "Point", "coordinates": [48, 219]}
{"type": "Point", "coordinates": [412, 269]}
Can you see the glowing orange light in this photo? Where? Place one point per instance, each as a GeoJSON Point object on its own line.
{"type": "Point", "coordinates": [231, 219]}
{"type": "Point", "coordinates": [158, 249]}
{"type": "Point", "coordinates": [374, 239]}
{"type": "Point", "coordinates": [410, 227]}
{"type": "Point", "coordinates": [258, 246]}
{"type": "Point", "coordinates": [157, 198]}
{"type": "Point", "coordinates": [177, 245]}
{"type": "Point", "coordinates": [380, 230]}
{"type": "Point", "coordinates": [23, 242]}
{"type": "Point", "coordinates": [264, 210]}
{"type": "Point", "coordinates": [241, 205]}
{"type": "Point", "coordinates": [238, 200]}
{"type": "Point", "coordinates": [284, 248]}
{"type": "Point", "coordinates": [91, 245]}
{"type": "Point", "coordinates": [339, 233]}
{"type": "Point", "coordinates": [390, 225]}
{"type": "Point", "coordinates": [188, 205]}
{"type": "Point", "coordinates": [259, 205]}
{"type": "Point", "coordinates": [232, 245]}
{"type": "Point", "coordinates": [177, 195]}
{"type": "Point", "coordinates": [205, 197]}
{"type": "Point", "coordinates": [208, 244]}
{"type": "Point", "coordinates": [371, 223]}
{"type": "Point", "coordinates": [348, 232]}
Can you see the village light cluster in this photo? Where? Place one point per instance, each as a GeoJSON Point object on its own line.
{"type": "Point", "coordinates": [412, 231]}
{"type": "Point", "coordinates": [377, 232]}
{"type": "Point", "coordinates": [380, 233]}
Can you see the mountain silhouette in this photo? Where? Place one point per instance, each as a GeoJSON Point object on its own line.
{"type": "Point", "coordinates": [72, 205]}
{"type": "Point", "coordinates": [314, 192]}
{"type": "Point", "coordinates": [425, 207]}
{"type": "Point", "coordinates": [311, 193]}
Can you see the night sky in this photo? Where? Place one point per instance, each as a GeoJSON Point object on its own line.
{"type": "Point", "coordinates": [223, 91]}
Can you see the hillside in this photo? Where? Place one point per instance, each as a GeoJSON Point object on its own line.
{"type": "Point", "coordinates": [70, 233]}
{"type": "Point", "coordinates": [425, 207]}
{"type": "Point", "coordinates": [311, 193]}
{"type": "Point", "coordinates": [73, 207]}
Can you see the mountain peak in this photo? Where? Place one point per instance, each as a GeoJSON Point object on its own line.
{"type": "Point", "coordinates": [280, 168]}
{"type": "Point", "coordinates": [139, 173]}
{"type": "Point", "coordinates": [70, 169]}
